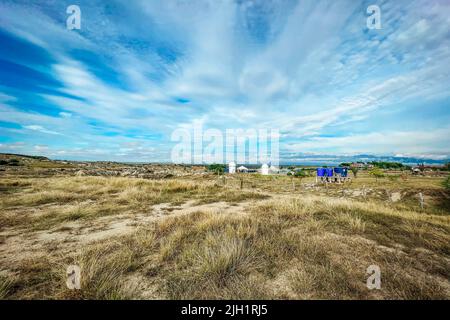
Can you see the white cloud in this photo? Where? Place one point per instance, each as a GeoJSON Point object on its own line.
{"type": "Point", "coordinates": [40, 129]}
{"type": "Point", "coordinates": [398, 142]}
{"type": "Point", "coordinates": [65, 114]}
{"type": "Point", "coordinates": [41, 148]}
{"type": "Point", "coordinates": [303, 68]}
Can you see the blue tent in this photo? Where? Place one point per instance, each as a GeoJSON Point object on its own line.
{"type": "Point", "coordinates": [344, 172]}
{"type": "Point", "coordinates": [329, 172]}
{"type": "Point", "coordinates": [320, 172]}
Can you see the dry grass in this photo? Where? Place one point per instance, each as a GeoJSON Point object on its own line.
{"type": "Point", "coordinates": [5, 286]}
{"type": "Point", "coordinates": [72, 198]}
{"type": "Point", "coordinates": [308, 244]}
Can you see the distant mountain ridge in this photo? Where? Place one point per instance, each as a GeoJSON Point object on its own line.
{"type": "Point", "coordinates": [337, 159]}
{"type": "Point", "coordinates": [297, 159]}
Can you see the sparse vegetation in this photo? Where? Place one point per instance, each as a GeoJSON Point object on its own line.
{"type": "Point", "coordinates": [217, 168]}
{"type": "Point", "coordinates": [388, 165]}
{"type": "Point", "coordinates": [10, 162]}
{"type": "Point", "coordinates": [393, 177]}
{"type": "Point", "coordinates": [377, 173]}
{"type": "Point", "coordinates": [354, 171]}
{"type": "Point", "coordinates": [193, 238]}
{"type": "Point", "coordinates": [446, 183]}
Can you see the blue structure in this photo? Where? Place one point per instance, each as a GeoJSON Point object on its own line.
{"type": "Point", "coordinates": [344, 172]}
{"type": "Point", "coordinates": [329, 172]}
{"type": "Point", "coordinates": [337, 174]}
{"type": "Point", "coordinates": [321, 172]}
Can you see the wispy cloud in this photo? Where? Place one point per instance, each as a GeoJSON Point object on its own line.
{"type": "Point", "coordinates": [40, 129]}
{"type": "Point", "coordinates": [136, 71]}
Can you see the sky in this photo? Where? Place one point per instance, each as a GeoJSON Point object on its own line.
{"type": "Point", "coordinates": [137, 70]}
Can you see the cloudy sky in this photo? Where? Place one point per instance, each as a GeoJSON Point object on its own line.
{"type": "Point", "coordinates": [137, 70]}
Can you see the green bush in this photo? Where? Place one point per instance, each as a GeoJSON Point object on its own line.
{"type": "Point", "coordinates": [388, 165]}
{"type": "Point", "coordinates": [217, 168]}
{"type": "Point", "coordinates": [300, 174]}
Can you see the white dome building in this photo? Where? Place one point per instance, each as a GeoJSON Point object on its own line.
{"type": "Point", "coordinates": [265, 169]}
{"type": "Point", "coordinates": [232, 167]}
{"type": "Point", "coordinates": [242, 169]}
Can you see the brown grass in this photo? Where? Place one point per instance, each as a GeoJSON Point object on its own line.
{"type": "Point", "coordinates": [311, 243]}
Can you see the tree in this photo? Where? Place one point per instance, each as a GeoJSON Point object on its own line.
{"type": "Point", "coordinates": [354, 171]}
{"type": "Point", "coordinates": [377, 173]}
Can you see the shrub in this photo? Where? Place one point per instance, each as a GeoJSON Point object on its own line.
{"type": "Point", "coordinates": [300, 174]}
{"type": "Point", "coordinates": [447, 183]}
{"type": "Point", "coordinates": [216, 168]}
{"type": "Point", "coordinates": [377, 173]}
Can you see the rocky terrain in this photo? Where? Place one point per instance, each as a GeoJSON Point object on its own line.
{"type": "Point", "coordinates": [22, 165]}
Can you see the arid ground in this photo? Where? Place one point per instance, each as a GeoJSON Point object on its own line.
{"type": "Point", "coordinates": [174, 232]}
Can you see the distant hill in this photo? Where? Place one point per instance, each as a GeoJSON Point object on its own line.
{"type": "Point", "coordinates": [16, 155]}
{"type": "Point", "coordinates": [9, 155]}
{"type": "Point", "coordinates": [11, 160]}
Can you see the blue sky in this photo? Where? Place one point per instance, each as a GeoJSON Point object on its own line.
{"type": "Point", "coordinates": [139, 69]}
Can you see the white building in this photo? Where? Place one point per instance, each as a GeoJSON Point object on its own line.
{"type": "Point", "coordinates": [265, 169]}
{"type": "Point", "coordinates": [232, 167]}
